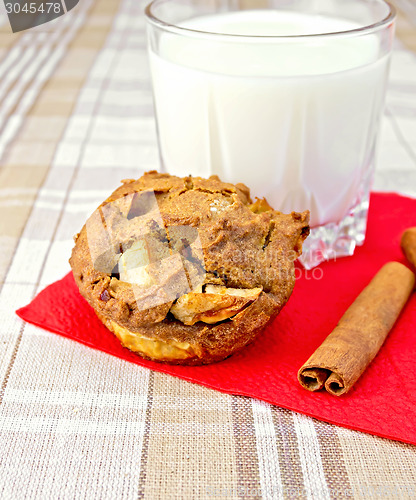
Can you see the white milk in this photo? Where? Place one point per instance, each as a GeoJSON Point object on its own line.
{"type": "Point", "coordinates": [294, 123]}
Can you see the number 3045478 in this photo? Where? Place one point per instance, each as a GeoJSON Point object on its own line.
{"type": "Point", "coordinates": [33, 8]}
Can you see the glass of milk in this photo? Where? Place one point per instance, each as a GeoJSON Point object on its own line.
{"type": "Point", "coordinates": [283, 95]}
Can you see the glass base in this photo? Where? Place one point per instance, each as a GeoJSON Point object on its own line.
{"type": "Point", "coordinates": [336, 239]}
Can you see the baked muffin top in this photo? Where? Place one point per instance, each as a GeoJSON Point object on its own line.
{"type": "Point", "coordinates": [160, 237]}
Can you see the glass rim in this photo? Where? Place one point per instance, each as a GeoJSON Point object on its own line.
{"type": "Point", "coordinates": [180, 30]}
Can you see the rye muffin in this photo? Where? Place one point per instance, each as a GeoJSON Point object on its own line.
{"type": "Point", "coordinates": [187, 270]}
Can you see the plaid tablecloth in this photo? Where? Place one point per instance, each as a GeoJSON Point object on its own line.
{"type": "Point", "coordinates": [76, 117]}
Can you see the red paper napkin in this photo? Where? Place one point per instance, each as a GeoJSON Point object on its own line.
{"type": "Point", "coordinates": [383, 402]}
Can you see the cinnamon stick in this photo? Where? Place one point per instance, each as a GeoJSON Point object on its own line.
{"type": "Point", "coordinates": [344, 355]}
{"type": "Point", "coordinates": [408, 244]}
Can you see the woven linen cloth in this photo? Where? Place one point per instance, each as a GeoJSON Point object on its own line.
{"type": "Point", "coordinates": [76, 117]}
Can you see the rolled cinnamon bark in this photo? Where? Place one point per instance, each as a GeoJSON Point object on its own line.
{"type": "Point", "coordinates": [408, 244]}
{"type": "Point", "coordinates": [344, 355]}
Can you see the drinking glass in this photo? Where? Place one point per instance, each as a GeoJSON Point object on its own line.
{"type": "Point", "coordinates": [285, 96]}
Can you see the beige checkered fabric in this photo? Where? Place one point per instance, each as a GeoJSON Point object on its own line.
{"type": "Point", "coordinates": [75, 118]}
